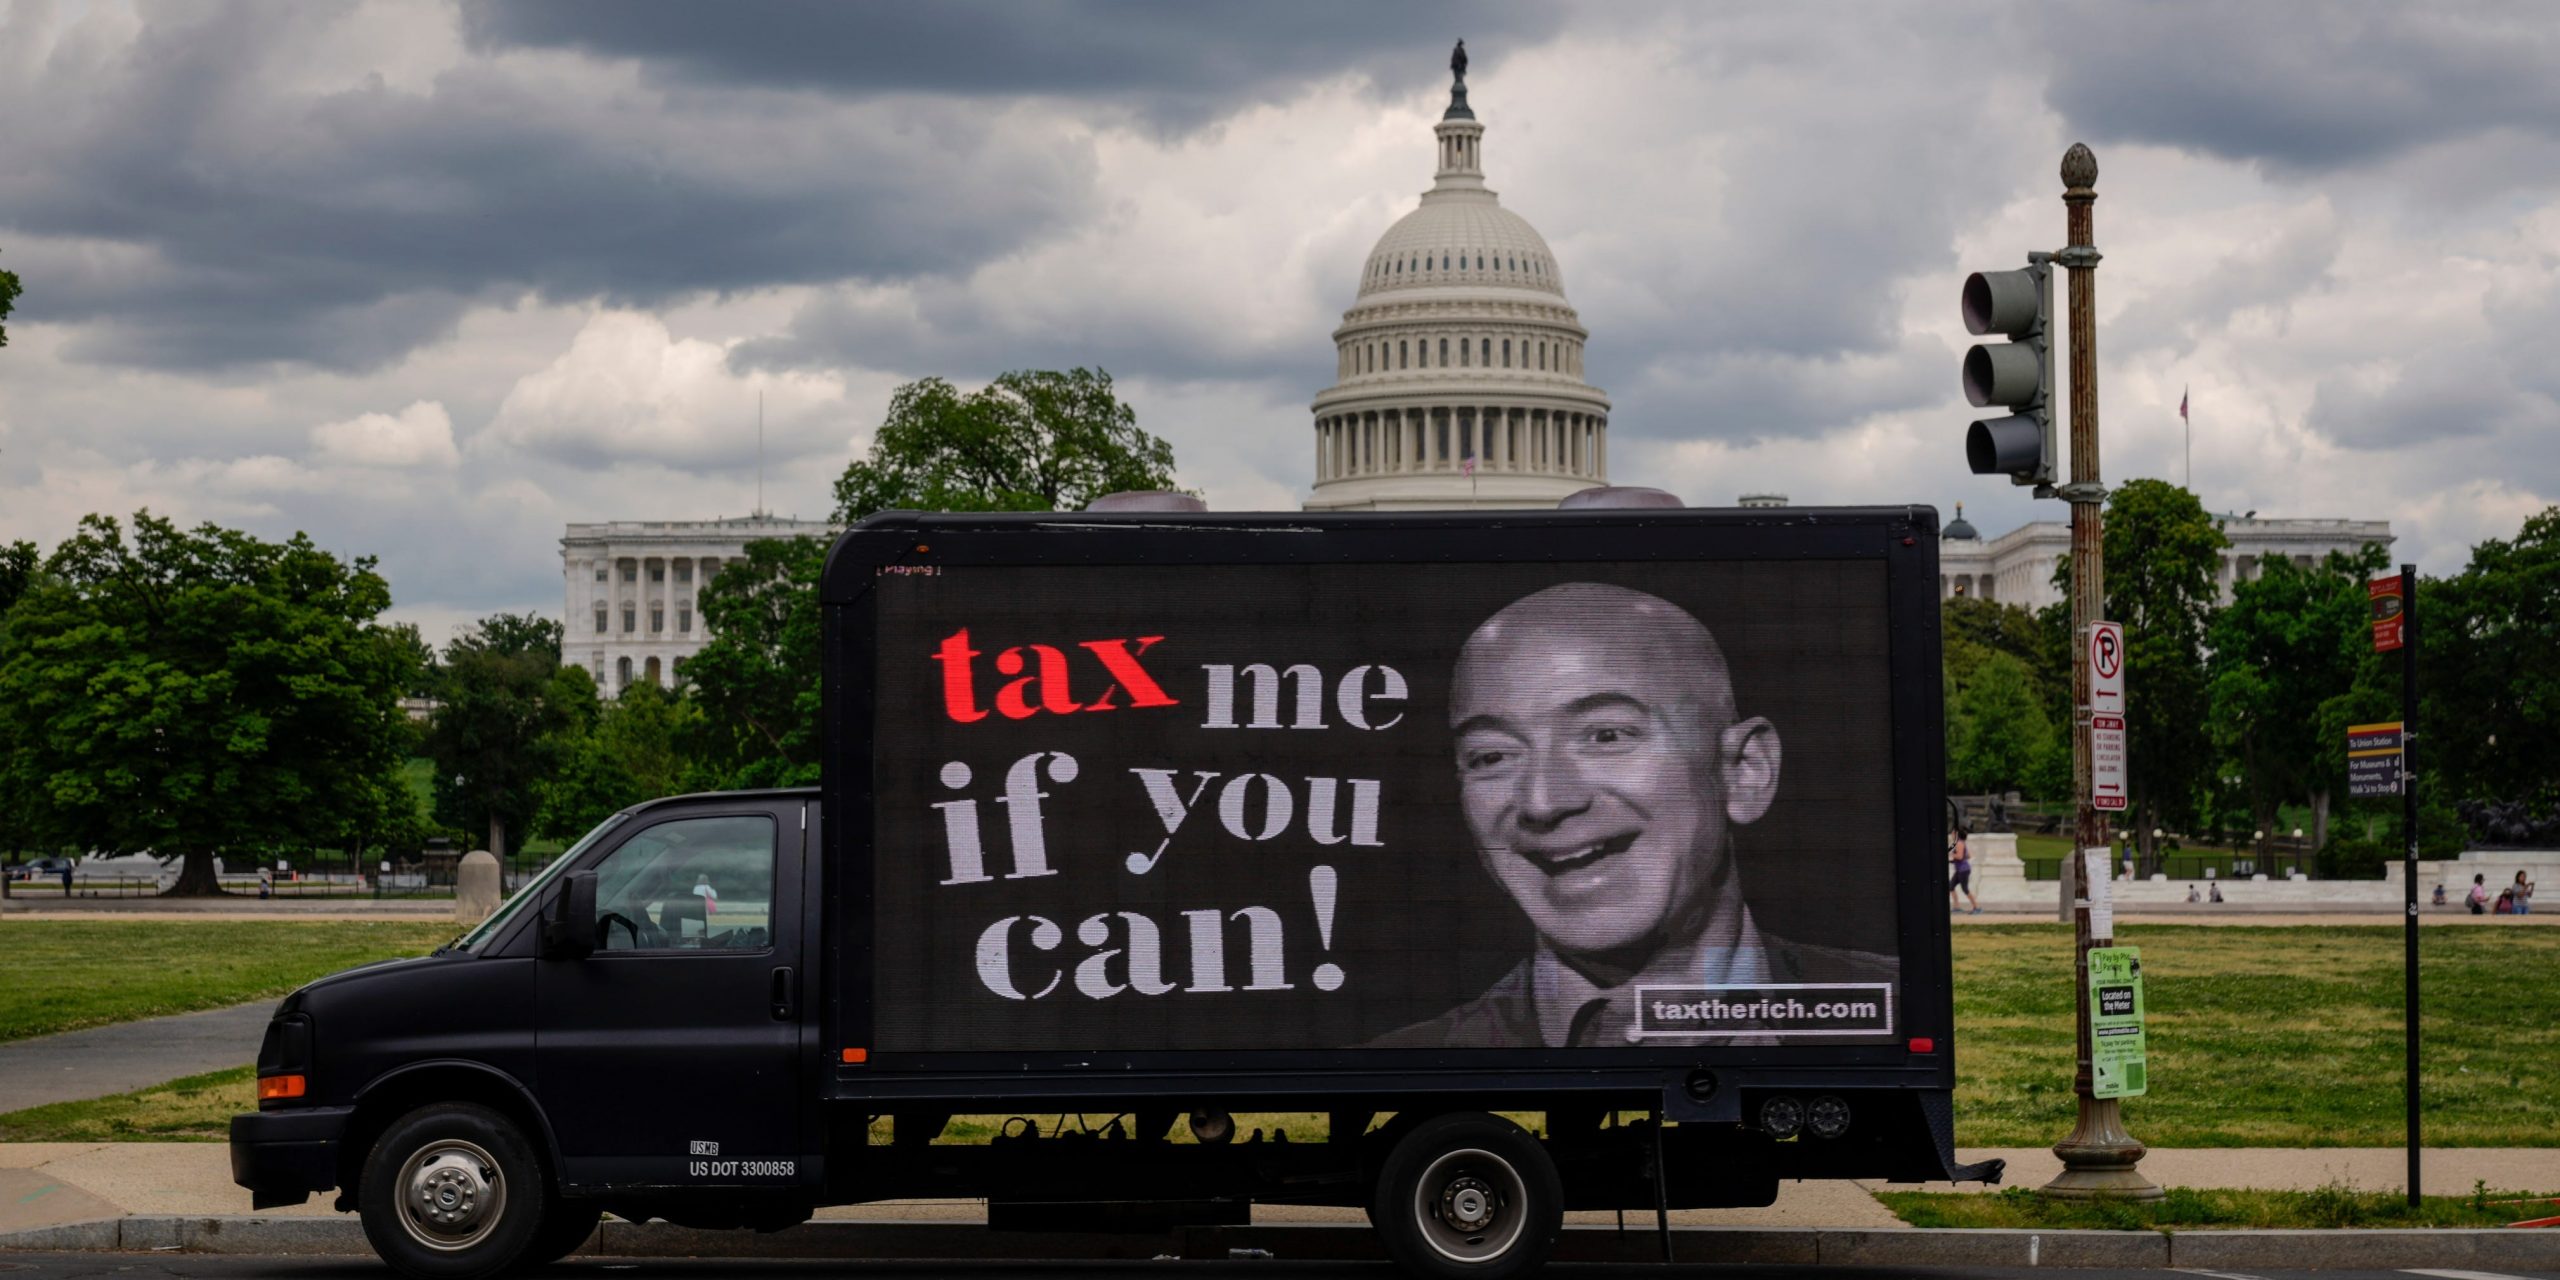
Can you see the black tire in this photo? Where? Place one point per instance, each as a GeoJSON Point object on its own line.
{"type": "Point", "coordinates": [1468, 1196]}
{"type": "Point", "coordinates": [452, 1192]}
{"type": "Point", "coordinates": [564, 1227]}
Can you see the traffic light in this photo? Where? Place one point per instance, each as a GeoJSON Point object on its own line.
{"type": "Point", "coordinates": [2017, 374]}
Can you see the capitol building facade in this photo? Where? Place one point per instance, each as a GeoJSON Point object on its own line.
{"type": "Point", "coordinates": [1458, 369]}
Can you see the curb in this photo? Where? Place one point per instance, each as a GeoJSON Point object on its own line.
{"type": "Point", "coordinates": [970, 1241]}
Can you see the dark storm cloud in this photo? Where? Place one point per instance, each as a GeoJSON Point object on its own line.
{"type": "Point", "coordinates": [2301, 86]}
{"type": "Point", "coordinates": [202, 217]}
{"type": "Point", "coordinates": [1178, 62]}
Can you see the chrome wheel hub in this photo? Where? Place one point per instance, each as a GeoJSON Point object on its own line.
{"type": "Point", "coordinates": [1467, 1205]}
{"type": "Point", "coordinates": [451, 1194]}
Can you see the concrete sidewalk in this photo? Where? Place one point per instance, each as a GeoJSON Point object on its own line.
{"type": "Point", "coordinates": [130, 1055]}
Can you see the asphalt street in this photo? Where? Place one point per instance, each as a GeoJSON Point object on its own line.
{"type": "Point", "coordinates": [131, 1266]}
{"type": "Point", "coordinates": [130, 1055]}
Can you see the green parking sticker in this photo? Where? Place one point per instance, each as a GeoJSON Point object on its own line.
{"type": "Point", "coordinates": [2115, 1023]}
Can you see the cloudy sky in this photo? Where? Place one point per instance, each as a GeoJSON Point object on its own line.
{"type": "Point", "coordinates": [430, 280]}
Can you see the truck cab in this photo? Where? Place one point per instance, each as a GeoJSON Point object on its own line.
{"type": "Point", "coordinates": [492, 1097]}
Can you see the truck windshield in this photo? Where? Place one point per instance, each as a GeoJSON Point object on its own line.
{"type": "Point", "coordinates": [488, 929]}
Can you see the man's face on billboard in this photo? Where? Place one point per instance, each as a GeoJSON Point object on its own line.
{"type": "Point", "coordinates": [1600, 765]}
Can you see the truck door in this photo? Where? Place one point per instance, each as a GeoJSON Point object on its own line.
{"type": "Point", "coordinates": [669, 1057]}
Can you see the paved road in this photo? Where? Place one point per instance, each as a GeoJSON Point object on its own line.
{"type": "Point", "coordinates": [129, 1055]}
{"type": "Point", "coordinates": [131, 1266]}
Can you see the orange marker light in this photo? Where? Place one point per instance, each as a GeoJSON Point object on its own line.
{"type": "Point", "coordinates": [856, 1057]}
{"type": "Point", "coordinates": [281, 1087]}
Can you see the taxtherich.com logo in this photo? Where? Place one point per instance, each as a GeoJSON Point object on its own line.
{"type": "Point", "coordinates": [1766, 1009]}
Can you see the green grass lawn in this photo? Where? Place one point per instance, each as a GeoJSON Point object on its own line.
{"type": "Point", "coordinates": [2190, 1209]}
{"type": "Point", "coordinates": [62, 975]}
{"type": "Point", "coordinates": [2271, 1037]}
{"type": "Point", "coordinates": [195, 1109]}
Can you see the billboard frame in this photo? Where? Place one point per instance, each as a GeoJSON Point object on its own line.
{"type": "Point", "coordinates": [1904, 539]}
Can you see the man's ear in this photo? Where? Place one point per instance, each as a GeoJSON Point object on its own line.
{"type": "Point", "coordinates": [1750, 758]}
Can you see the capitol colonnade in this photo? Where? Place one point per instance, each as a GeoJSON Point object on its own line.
{"type": "Point", "coordinates": [1442, 438]}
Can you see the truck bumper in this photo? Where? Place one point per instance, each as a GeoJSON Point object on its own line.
{"type": "Point", "coordinates": [284, 1156]}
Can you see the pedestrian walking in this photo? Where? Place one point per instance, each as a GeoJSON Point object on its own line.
{"type": "Point", "coordinates": [1960, 872]}
{"type": "Point", "coordinates": [2479, 897]}
{"type": "Point", "coordinates": [2523, 891]}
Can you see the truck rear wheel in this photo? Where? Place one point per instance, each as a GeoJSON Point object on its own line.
{"type": "Point", "coordinates": [1468, 1195]}
{"type": "Point", "coordinates": [451, 1192]}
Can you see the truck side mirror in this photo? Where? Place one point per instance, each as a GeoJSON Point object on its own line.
{"type": "Point", "coordinates": [569, 932]}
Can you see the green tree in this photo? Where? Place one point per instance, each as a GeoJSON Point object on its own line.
{"type": "Point", "coordinates": [2289, 668]}
{"type": "Point", "coordinates": [1032, 440]}
{"type": "Point", "coordinates": [505, 703]}
{"type": "Point", "coordinates": [634, 752]}
{"type": "Point", "coordinates": [2487, 674]}
{"type": "Point", "coordinates": [2015, 650]}
{"type": "Point", "coordinates": [20, 562]}
{"type": "Point", "coordinates": [2161, 550]}
{"type": "Point", "coordinates": [1998, 738]}
{"type": "Point", "coordinates": [200, 693]}
{"type": "Point", "coordinates": [756, 678]}
{"type": "Point", "coordinates": [9, 290]}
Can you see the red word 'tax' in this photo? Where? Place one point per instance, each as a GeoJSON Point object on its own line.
{"type": "Point", "coordinates": [1046, 686]}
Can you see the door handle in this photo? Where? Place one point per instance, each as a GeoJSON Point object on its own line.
{"type": "Point", "coordinates": [782, 992]}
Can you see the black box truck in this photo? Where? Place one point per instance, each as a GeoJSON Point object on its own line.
{"type": "Point", "coordinates": [1566, 859]}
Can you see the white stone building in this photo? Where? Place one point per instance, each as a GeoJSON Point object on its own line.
{"type": "Point", "coordinates": [631, 587]}
{"type": "Point", "coordinates": [2017, 566]}
{"type": "Point", "coordinates": [1458, 370]}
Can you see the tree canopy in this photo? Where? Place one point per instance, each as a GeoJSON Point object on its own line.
{"type": "Point", "coordinates": [1032, 440]}
{"type": "Point", "coordinates": [635, 751]}
{"type": "Point", "coordinates": [2488, 637]}
{"type": "Point", "coordinates": [2291, 668]}
{"type": "Point", "coordinates": [756, 680]}
{"type": "Point", "coordinates": [201, 692]}
{"type": "Point", "coordinates": [504, 702]}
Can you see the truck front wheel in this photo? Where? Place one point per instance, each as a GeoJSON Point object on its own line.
{"type": "Point", "coordinates": [1468, 1195]}
{"type": "Point", "coordinates": [451, 1192]}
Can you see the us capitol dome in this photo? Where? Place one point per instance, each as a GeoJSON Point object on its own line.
{"type": "Point", "coordinates": [1458, 370]}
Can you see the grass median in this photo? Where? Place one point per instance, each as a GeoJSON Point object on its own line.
{"type": "Point", "coordinates": [2211, 1209]}
{"type": "Point", "coordinates": [2271, 1037]}
{"type": "Point", "coordinates": [63, 975]}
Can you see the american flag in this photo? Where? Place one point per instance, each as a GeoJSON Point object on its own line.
{"type": "Point", "coordinates": [2182, 405]}
{"type": "Point", "coordinates": [1468, 466]}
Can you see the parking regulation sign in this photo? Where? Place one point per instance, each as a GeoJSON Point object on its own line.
{"type": "Point", "coordinates": [2106, 668]}
{"type": "Point", "coordinates": [2108, 786]}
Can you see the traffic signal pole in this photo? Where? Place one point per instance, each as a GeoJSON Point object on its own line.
{"type": "Point", "coordinates": [2098, 1157]}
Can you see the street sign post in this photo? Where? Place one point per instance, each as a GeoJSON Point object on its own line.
{"type": "Point", "coordinates": [2117, 1061]}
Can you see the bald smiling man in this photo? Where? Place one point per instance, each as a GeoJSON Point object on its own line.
{"type": "Point", "coordinates": [1603, 769]}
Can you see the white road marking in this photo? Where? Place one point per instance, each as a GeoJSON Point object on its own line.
{"type": "Point", "coordinates": [2462, 1275]}
{"type": "Point", "coordinates": [2219, 1275]}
